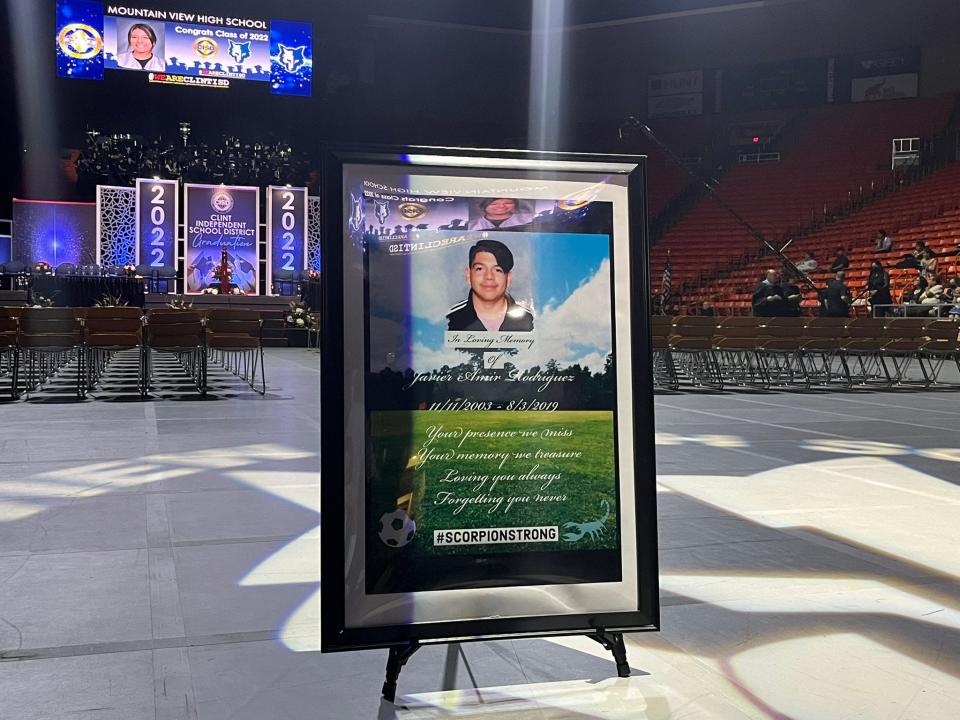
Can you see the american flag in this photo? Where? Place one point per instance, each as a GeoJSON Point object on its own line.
{"type": "Point", "coordinates": [665, 284]}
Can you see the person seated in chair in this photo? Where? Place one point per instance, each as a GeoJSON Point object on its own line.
{"type": "Point", "coordinates": [912, 259]}
{"type": "Point", "coordinates": [840, 262]}
{"type": "Point", "coordinates": [808, 264]}
{"type": "Point", "coordinates": [928, 262]}
{"type": "Point", "coordinates": [884, 241]}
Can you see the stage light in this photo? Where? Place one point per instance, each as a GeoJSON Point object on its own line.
{"type": "Point", "coordinates": [544, 130]}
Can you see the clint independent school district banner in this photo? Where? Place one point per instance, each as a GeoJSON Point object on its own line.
{"type": "Point", "coordinates": [221, 217]}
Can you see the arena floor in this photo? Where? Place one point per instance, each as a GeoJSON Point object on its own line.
{"type": "Point", "coordinates": [159, 560]}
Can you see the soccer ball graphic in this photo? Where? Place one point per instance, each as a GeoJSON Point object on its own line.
{"type": "Point", "coordinates": [397, 528]}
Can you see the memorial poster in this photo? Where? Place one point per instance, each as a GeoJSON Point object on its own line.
{"type": "Point", "coordinates": [490, 468]}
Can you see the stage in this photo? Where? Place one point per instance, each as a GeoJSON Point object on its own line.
{"type": "Point", "coordinates": [262, 303]}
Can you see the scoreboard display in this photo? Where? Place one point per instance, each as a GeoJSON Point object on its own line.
{"type": "Point", "coordinates": [183, 47]}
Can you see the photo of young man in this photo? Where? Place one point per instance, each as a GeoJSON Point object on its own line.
{"type": "Point", "coordinates": [489, 307]}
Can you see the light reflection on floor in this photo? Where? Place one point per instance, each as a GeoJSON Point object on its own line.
{"type": "Point", "coordinates": [164, 556]}
{"type": "Point", "coordinates": [820, 625]}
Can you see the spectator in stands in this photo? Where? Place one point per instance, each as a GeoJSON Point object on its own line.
{"type": "Point", "coordinates": [840, 262]}
{"type": "Point", "coordinates": [928, 262]}
{"type": "Point", "coordinates": [808, 264]}
{"type": "Point", "coordinates": [879, 286]}
{"type": "Point", "coordinates": [884, 241]}
{"type": "Point", "coordinates": [837, 297]}
{"type": "Point", "coordinates": [767, 299]}
{"type": "Point", "coordinates": [935, 294]}
{"type": "Point", "coordinates": [955, 298]}
{"type": "Point", "coordinates": [912, 259]}
{"type": "Point", "coordinates": [913, 294]}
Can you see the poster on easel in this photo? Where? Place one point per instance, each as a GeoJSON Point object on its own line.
{"type": "Point", "coordinates": [221, 218]}
{"type": "Point", "coordinates": [488, 452]}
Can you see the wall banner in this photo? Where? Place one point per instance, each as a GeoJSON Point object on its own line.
{"type": "Point", "coordinates": [158, 209]}
{"type": "Point", "coordinates": [675, 105]}
{"type": "Point", "coordinates": [491, 421]}
{"type": "Point", "coordinates": [680, 83]}
{"type": "Point", "coordinates": [901, 61]}
{"type": "Point", "coordinates": [286, 230]}
{"type": "Point", "coordinates": [221, 217]}
{"type": "Point", "coordinates": [884, 87]}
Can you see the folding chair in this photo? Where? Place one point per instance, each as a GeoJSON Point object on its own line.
{"type": "Point", "coordinates": [737, 343]}
{"type": "Point", "coordinates": [50, 338]}
{"type": "Point", "coordinates": [234, 340]}
{"type": "Point", "coordinates": [691, 346]}
{"type": "Point", "coordinates": [942, 345]}
{"type": "Point", "coordinates": [779, 352]}
{"type": "Point", "coordinates": [108, 330]}
{"type": "Point", "coordinates": [820, 350]}
{"type": "Point", "coordinates": [9, 357]}
{"type": "Point", "coordinates": [864, 350]}
{"type": "Point", "coordinates": [905, 337]}
{"type": "Point", "coordinates": [180, 333]}
{"type": "Point", "coordinates": [664, 371]}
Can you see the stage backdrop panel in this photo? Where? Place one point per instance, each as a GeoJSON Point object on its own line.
{"type": "Point", "coordinates": [55, 232]}
{"type": "Point", "coordinates": [221, 217]}
{"type": "Point", "coordinates": [314, 232]}
{"type": "Point", "coordinates": [286, 230]}
{"type": "Point", "coordinates": [116, 225]}
{"type": "Point", "coordinates": [156, 222]}
{"type": "Point", "coordinates": [4, 249]}
{"type": "Point", "coordinates": [489, 408]}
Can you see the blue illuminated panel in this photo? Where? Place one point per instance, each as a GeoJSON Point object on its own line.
{"type": "Point", "coordinates": [80, 39]}
{"type": "Point", "coordinates": [291, 58]}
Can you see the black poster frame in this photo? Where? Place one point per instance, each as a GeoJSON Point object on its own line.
{"type": "Point", "coordinates": [335, 636]}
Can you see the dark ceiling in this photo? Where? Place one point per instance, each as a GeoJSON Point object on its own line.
{"type": "Point", "coordinates": [516, 15]}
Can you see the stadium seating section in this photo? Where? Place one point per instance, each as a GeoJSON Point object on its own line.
{"type": "Point", "coordinates": [839, 159]}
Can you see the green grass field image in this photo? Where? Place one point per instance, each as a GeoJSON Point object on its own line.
{"type": "Point", "coordinates": [493, 469]}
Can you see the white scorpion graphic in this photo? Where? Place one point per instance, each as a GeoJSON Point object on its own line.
{"type": "Point", "coordinates": [594, 528]}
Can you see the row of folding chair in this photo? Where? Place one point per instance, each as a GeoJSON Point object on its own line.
{"type": "Point", "coordinates": [39, 343]}
{"type": "Point", "coordinates": [802, 352]}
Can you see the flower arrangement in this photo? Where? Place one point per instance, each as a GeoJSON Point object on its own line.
{"type": "Point", "coordinates": [222, 273]}
{"type": "Point", "coordinates": [298, 315]}
{"type": "Point", "coordinates": [129, 269]}
{"type": "Point", "coordinates": [210, 291]}
{"type": "Point", "coordinates": [109, 300]}
{"type": "Point", "coordinates": [313, 274]}
{"type": "Point", "coordinates": [39, 301]}
{"type": "Point", "coordinates": [180, 303]}
{"type": "Point", "coordinates": [43, 268]}
{"type": "Point", "coordinates": [236, 291]}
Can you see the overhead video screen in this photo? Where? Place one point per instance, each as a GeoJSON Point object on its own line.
{"type": "Point", "coordinates": [183, 47]}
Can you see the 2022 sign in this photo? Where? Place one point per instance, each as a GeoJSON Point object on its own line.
{"type": "Point", "coordinates": [157, 215]}
{"type": "Point", "coordinates": [286, 229]}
